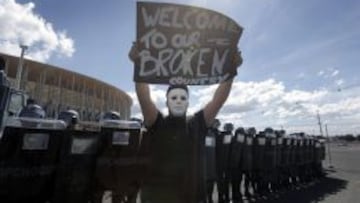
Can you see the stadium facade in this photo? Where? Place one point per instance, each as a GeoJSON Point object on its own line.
{"type": "Point", "coordinates": [57, 89]}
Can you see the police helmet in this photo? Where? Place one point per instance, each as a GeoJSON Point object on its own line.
{"type": "Point", "coordinates": [137, 120]}
{"type": "Point", "coordinates": [111, 115]}
{"type": "Point", "coordinates": [228, 127]}
{"type": "Point", "coordinates": [277, 133]}
{"type": "Point", "coordinates": [251, 131]}
{"type": "Point", "coordinates": [32, 111]}
{"type": "Point", "coordinates": [260, 134]}
{"type": "Point", "coordinates": [301, 134]}
{"type": "Point", "coordinates": [70, 117]}
{"type": "Point", "coordinates": [216, 123]}
{"type": "Point", "coordinates": [240, 130]}
{"type": "Point", "coordinates": [269, 132]}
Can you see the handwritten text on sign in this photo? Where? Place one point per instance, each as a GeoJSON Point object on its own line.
{"type": "Point", "coordinates": [184, 45]}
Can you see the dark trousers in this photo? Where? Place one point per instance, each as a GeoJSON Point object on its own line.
{"type": "Point", "coordinates": [223, 186]}
{"type": "Point", "coordinates": [236, 178]}
{"type": "Point", "coordinates": [209, 190]}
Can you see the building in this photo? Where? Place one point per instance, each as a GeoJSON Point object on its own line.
{"type": "Point", "coordinates": [57, 89]}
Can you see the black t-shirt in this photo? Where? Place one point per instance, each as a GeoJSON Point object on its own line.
{"type": "Point", "coordinates": [177, 163]}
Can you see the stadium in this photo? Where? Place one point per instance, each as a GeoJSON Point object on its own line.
{"type": "Point", "coordinates": [58, 89]}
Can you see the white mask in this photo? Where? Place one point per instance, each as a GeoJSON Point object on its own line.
{"type": "Point", "coordinates": [177, 102]}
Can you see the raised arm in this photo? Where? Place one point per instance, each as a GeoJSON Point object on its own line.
{"type": "Point", "coordinates": [147, 106]}
{"type": "Point", "coordinates": [220, 96]}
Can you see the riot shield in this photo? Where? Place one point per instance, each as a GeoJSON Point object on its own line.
{"type": "Point", "coordinates": [76, 168]}
{"type": "Point", "coordinates": [117, 166]}
{"type": "Point", "coordinates": [28, 158]}
{"type": "Point", "coordinates": [4, 94]}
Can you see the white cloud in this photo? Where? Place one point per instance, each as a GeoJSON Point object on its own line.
{"type": "Point", "coordinates": [157, 96]}
{"type": "Point", "coordinates": [339, 82]}
{"type": "Point", "coordinates": [269, 103]}
{"type": "Point", "coordinates": [343, 107]}
{"type": "Point", "coordinates": [328, 73]}
{"type": "Point", "coordinates": [335, 73]}
{"type": "Point", "coordinates": [135, 108]}
{"type": "Point", "coordinates": [298, 96]}
{"type": "Point", "coordinates": [19, 24]}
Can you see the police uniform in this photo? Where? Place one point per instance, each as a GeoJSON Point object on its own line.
{"type": "Point", "coordinates": [222, 165]}
{"type": "Point", "coordinates": [210, 158]}
{"type": "Point", "coordinates": [270, 160]}
{"type": "Point", "coordinates": [247, 163]}
{"type": "Point", "coordinates": [286, 147]}
{"type": "Point", "coordinates": [259, 164]}
{"type": "Point", "coordinates": [236, 160]}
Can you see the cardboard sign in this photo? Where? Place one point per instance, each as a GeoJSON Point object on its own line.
{"type": "Point", "coordinates": [184, 45]}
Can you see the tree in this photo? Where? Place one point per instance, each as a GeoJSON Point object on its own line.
{"type": "Point", "coordinates": [349, 138]}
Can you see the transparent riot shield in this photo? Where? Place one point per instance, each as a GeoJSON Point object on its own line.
{"type": "Point", "coordinates": [117, 169]}
{"type": "Point", "coordinates": [75, 175]}
{"type": "Point", "coordinates": [29, 150]}
{"type": "Point", "coordinates": [4, 94]}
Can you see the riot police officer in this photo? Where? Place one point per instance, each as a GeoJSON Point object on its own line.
{"type": "Point", "coordinates": [270, 160]}
{"type": "Point", "coordinates": [247, 163]}
{"type": "Point", "coordinates": [300, 154]}
{"type": "Point", "coordinates": [259, 164]}
{"type": "Point", "coordinates": [236, 159]}
{"type": "Point", "coordinates": [210, 159]}
{"type": "Point", "coordinates": [132, 172]}
{"type": "Point", "coordinates": [307, 159]}
{"type": "Point", "coordinates": [31, 110]}
{"type": "Point", "coordinates": [319, 157]}
{"type": "Point", "coordinates": [222, 162]}
{"type": "Point", "coordinates": [286, 149]}
{"type": "Point", "coordinates": [280, 172]}
{"type": "Point", "coordinates": [3, 79]}
{"type": "Point", "coordinates": [292, 159]}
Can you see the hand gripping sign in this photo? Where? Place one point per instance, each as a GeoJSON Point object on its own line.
{"type": "Point", "coordinates": [184, 45]}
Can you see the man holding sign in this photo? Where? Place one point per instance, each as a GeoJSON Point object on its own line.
{"type": "Point", "coordinates": [176, 141]}
{"type": "Point", "coordinates": [179, 59]}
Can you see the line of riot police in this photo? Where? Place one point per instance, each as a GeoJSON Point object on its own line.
{"type": "Point", "coordinates": [251, 164]}
{"type": "Point", "coordinates": [66, 160]}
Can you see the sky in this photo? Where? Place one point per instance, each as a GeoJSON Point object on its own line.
{"type": "Point", "coordinates": [301, 58]}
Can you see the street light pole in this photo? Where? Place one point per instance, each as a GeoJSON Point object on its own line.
{"type": "Point", "coordinates": [329, 153]}
{"type": "Point", "coordinates": [319, 122]}
{"type": "Point", "coordinates": [20, 66]}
